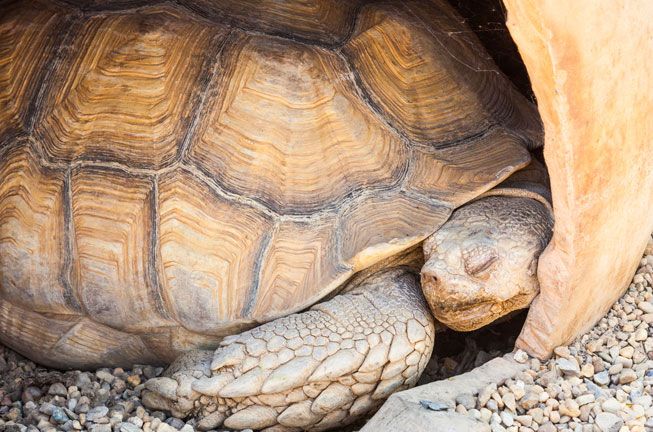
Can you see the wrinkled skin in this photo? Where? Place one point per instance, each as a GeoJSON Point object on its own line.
{"type": "Point", "coordinates": [336, 362]}
{"type": "Point", "coordinates": [482, 264]}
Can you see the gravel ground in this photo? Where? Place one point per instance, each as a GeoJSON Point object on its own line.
{"type": "Point", "coordinates": [602, 382]}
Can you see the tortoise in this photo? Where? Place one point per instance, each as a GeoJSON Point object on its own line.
{"type": "Point", "coordinates": [259, 177]}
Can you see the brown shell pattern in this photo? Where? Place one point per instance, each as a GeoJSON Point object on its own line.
{"type": "Point", "coordinates": [175, 171]}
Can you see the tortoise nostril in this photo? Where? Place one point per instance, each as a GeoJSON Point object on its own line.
{"type": "Point", "coordinates": [429, 279]}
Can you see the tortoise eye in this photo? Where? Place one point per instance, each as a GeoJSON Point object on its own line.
{"type": "Point", "coordinates": [479, 259]}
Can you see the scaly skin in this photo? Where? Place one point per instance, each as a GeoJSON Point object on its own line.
{"type": "Point", "coordinates": [310, 371]}
{"type": "Point", "coordinates": [482, 263]}
{"type": "Point", "coordinates": [326, 367]}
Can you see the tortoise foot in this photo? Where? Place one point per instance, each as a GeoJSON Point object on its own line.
{"type": "Point", "coordinates": [315, 370]}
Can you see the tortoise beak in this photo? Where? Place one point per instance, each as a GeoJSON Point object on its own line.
{"type": "Point", "coordinates": [464, 304]}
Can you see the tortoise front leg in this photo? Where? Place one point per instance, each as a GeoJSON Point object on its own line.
{"type": "Point", "coordinates": [315, 370]}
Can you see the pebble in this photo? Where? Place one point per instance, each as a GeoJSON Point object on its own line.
{"type": "Point", "coordinates": [645, 307]}
{"type": "Point", "coordinates": [627, 376]}
{"type": "Point", "coordinates": [506, 418]}
{"type": "Point", "coordinates": [612, 405]}
{"type": "Point", "coordinates": [129, 427]}
{"type": "Point", "coordinates": [608, 422]}
{"type": "Point", "coordinates": [602, 378]}
{"type": "Point", "coordinates": [520, 356]}
{"type": "Point", "coordinates": [58, 389]}
{"type": "Point", "coordinates": [585, 399]}
{"type": "Point", "coordinates": [568, 366]}
{"type": "Point", "coordinates": [97, 413]}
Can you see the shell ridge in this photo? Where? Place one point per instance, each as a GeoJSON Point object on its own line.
{"type": "Point", "coordinates": [209, 71]}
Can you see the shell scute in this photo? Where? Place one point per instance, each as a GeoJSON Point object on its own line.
{"type": "Point", "coordinates": [288, 130]}
{"type": "Point", "coordinates": [127, 89]}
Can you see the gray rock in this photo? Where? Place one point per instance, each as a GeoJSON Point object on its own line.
{"type": "Point", "coordinates": [611, 405]}
{"type": "Point", "coordinates": [645, 307]}
{"type": "Point", "coordinates": [165, 427]}
{"type": "Point", "coordinates": [608, 422]}
{"type": "Point", "coordinates": [602, 378]}
{"type": "Point", "coordinates": [211, 421]}
{"type": "Point", "coordinates": [105, 375]}
{"type": "Point", "coordinates": [627, 376]}
{"type": "Point", "coordinates": [100, 428]}
{"type": "Point", "coordinates": [568, 366]}
{"type": "Point", "coordinates": [97, 413]}
{"type": "Point", "coordinates": [466, 400]}
{"type": "Point", "coordinates": [59, 416]}
{"type": "Point", "coordinates": [46, 408]}
{"type": "Point", "coordinates": [58, 389]}
{"type": "Point", "coordinates": [83, 380]}
{"type": "Point", "coordinates": [175, 422]}
{"type": "Point", "coordinates": [434, 406]}
{"type": "Point", "coordinates": [129, 427]}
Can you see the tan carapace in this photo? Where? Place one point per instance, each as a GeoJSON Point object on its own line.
{"type": "Point", "coordinates": [175, 172]}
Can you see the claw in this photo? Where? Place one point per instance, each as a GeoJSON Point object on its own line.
{"type": "Point", "coordinates": [319, 369]}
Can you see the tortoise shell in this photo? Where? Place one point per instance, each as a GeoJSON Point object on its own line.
{"type": "Point", "coordinates": [173, 172]}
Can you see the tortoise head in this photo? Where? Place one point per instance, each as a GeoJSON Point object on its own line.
{"type": "Point", "coordinates": [482, 263]}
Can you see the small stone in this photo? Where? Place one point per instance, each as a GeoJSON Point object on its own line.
{"type": "Point", "coordinates": [58, 389]}
{"type": "Point", "coordinates": [486, 415]}
{"type": "Point", "coordinates": [134, 380]}
{"type": "Point", "coordinates": [547, 427]}
{"type": "Point", "coordinates": [645, 401]}
{"type": "Point", "coordinates": [129, 427]}
{"type": "Point", "coordinates": [433, 406]}
{"type": "Point", "coordinates": [509, 401]}
{"type": "Point", "coordinates": [562, 351]}
{"type": "Point", "coordinates": [627, 376]}
{"type": "Point", "coordinates": [30, 393]}
{"type": "Point", "coordinates": [645, 307]}
{"type": "Point", "coordinates": [587, 370]}
{"type": "Point", "coordinates": [175, 422]}
{"type": "Point", "coordinates": [602, 378]}
{"type": "Point", "coordinates": [524, 420]}
{"type": "Point", "coordinates": [641, 335]}
{"type": "Point", "coordinates": [485, 394]}
{"type": "Point", "coordinates": [530, 400]}
{"type": "Point", "coordinates": [627, 352]}
{"type": "Point", "coordinates": [211, 421]}
{"type": "Point", "coordinates": [97, 413]}
{"type": "Point", "coordinates": [46, 408]}
{"type": "Point", "coordinates": [615, 368]}
{"type": "Point", "coordinates": [496, 427]}
{"type": "Point", "coordinates": [59, 416]}
{"type": "Point", "coordinates": [611, 405]}
{"type": "Point", "coordinates": [104, 375]}
{"type": "Point", "coordinates": [506, 418]}
{"type": "Point", "coordinates": [136, 421]}
{"type": "Point", "coordinates": [537, 414]}
{"type": "Point", "coordinates": [568, 366]}
{"type": "Point", "coordinates": [570, 408]}
{"type": "Point", "coordinates": [466, 400]}
{"type": "Point", "coordinates": [520, 356]}
{"type": "Point", "coordinates": [608, 422]}
{"type": "Point", "coordinates": [165, 427]}
{"type": "Point", "coordinates": [585, 399]}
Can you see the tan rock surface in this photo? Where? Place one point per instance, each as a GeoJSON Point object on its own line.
{"type": "Point", "coordinates": [590, 65]}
